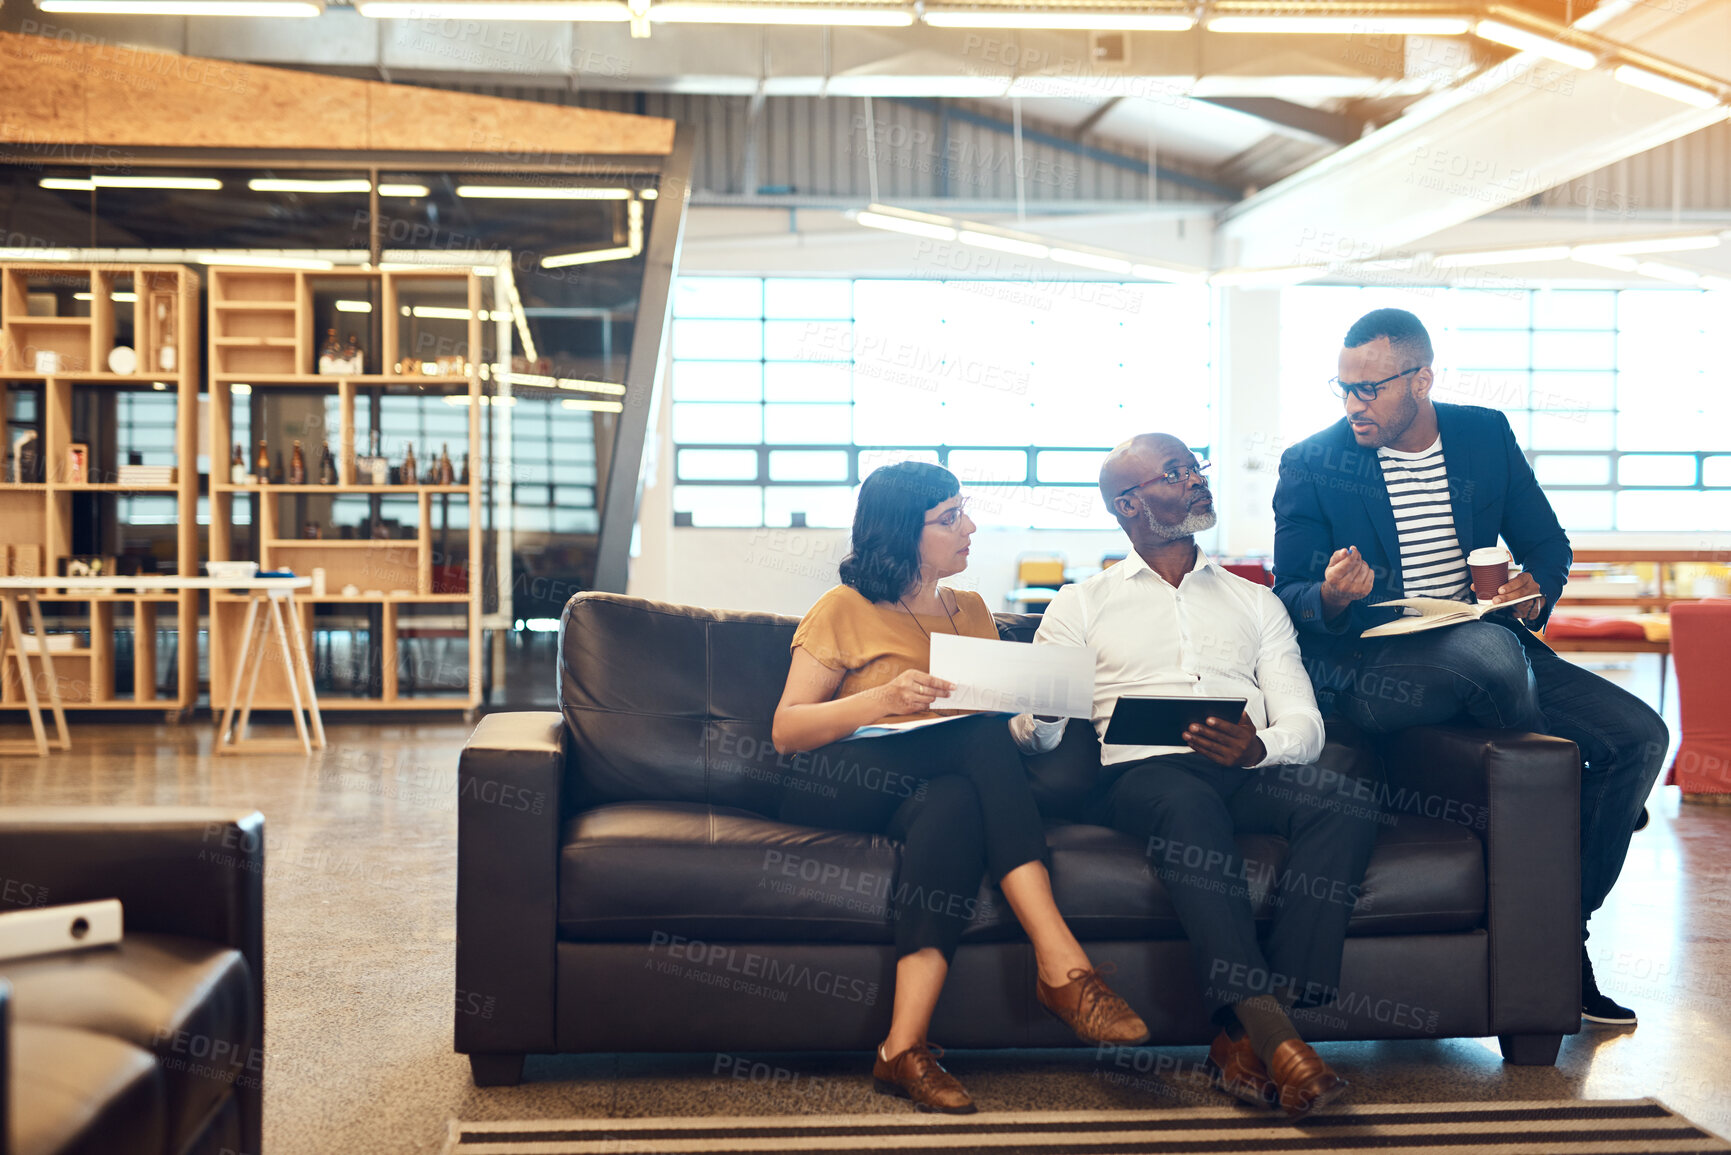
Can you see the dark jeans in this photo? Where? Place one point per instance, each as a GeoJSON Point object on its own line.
{"type": "Point", "coordinates": [1486, 673]}
{"type": "Point", "coordinates": [1188, 808]}
{"type": "Point", "coordinates": [956, 797]}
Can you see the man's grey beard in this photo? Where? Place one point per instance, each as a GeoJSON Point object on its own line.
{"type": "Point", "coordinates": [1192, 525]}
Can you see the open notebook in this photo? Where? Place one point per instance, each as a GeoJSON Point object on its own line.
{"type": "Point", "coordinates": [1433, 614]}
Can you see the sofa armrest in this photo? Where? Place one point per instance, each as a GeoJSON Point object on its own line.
{"type": "Point", "coordinates": [191, 870]}
{"type": "Point", "coordinates": [5, 1067]}
{"type": "Point", "coordinates": [1522, 793]}
{"type": "Point", "coordinates": [508, 811]}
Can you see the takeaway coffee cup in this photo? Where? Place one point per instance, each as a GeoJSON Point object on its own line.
{"type": "Point", "coordinates": [1490, 570]}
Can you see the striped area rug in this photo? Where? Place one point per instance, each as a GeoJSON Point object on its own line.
{"type": "Point", "coordinates": [1609, 1127]}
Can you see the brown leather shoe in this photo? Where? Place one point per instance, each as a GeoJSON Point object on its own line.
{"type": "Point", "coordinates": [1239, 1073]}
{"type": "Point", "coordinates": [1087, 1006]}
{"type": "Point", "coordinates": [916, 1074]}
{"type": "Point", "coordinates": [1304, 1080]}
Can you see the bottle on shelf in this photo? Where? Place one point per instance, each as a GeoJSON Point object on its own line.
{"type": "Point", "coordinates": [327, 465]}
{"type": "Point", "coordinates": [353, 360]}
{"type": "Point", "coordinates": [237, 466]}
{"type": "Point", "coordinates": [166, 355]}
{"type": "Point", "coordinates": [445, 474]}
{"type": "Point", "coordinates": [330, 353]}
{"type": "Point", "coordinates": [463, 478]}
{"type": "Point", "coordinates": [408, 476]}
{"type": "Point", "coordinates": [297, 470]}
{"type": "Point", "coordinates": [262, 465]}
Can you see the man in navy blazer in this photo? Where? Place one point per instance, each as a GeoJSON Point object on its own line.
{"type": "Point", "coordinates": [1387, 503]}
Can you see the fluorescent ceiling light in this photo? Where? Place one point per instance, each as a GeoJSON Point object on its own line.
{"type": "Point", "coordinates": [272, 184]}
{"type": "Point", "coordinates": [357, 185]}
{"type": "Point", "coordinates": [573, 383]}
{"type": "Point", "coordinates": [1087, 260]}
{"type": "Point", "coordinates": [301, 8]}
{"type": "Point", "coordinates": [1717, 284]}
{"type": "Point", "coordinates": [1174, 276]}
{"type": "Point", "coordinates": [247, 260]}
{"type": "Point", "coordinates": [35, 254]}
{"type": "Point", "coordinates": [649, 194]}
{"type": "Point", "coordinates": [1510, 36]}
{"type": "Point", "coordinates": [863, 16]}
{"type": "Point", "coordinates": [593, 406]}
{"type": "Point", "coordinates": [1664, 86]}
{"type": "Point", "coordinates": [442, 313]}
{"type": "Point", "coordinates": [489, 10]}
{"type": "Point", "coordinates": [199, 183]}
{"type": "Point", "coordinates": [1503, 257]}
{"type": "Point", "coordinates": [1606, 261]}
{"type": "Point", "coordinates": [485, 271]}
{"type": "Point", "coordinates": [1683, 244]}
{"type": "Point", "coordinates": [1344, 25]}
{"type": "Point", "coordinates": [123, 296]}
{"type": "Point", "coordinates": [590, 257]}
{"type": "Point", "coordinates": [1000, 243]}
{"type": "Point", "coordinates": [240, 390]}
{"type": "Point", "coordinates": [1266, 278]}
{"type": "Point", "coordinates": [354, 306]}
{"type": "Point", "coordinates": [1059, 18]}
{"type": "Point", "coordinates": [913, 224]}
{"type": "Point", "coordinates": [541, 192]}
{"type": "Point", "coordinates": [1672, 273]}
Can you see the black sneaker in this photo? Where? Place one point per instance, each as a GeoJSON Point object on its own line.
{"type": "Point", "coordinates": [1596, 1007]}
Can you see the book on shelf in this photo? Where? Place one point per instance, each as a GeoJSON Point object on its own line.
{"type": "Point", "coordinates": [145, 475]}
{"type": "Point", "coordinates": [1433, 614]}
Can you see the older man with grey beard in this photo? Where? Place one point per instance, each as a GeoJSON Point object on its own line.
{"type": "Point", "coordinates": [1167, 620]}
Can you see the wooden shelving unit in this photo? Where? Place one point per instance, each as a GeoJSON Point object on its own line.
{"type": "Point", "coordinates": [264, 336]}
{"type": "Point", "coordinates": [37, 519]}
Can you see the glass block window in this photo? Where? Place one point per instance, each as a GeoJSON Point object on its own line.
{"type": "Point", "coordinates": [788, 391]}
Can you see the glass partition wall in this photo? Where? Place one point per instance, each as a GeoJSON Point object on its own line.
{"type": "Point", "coordinates": [570, 252]}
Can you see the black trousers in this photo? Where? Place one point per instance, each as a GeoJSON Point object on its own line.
{"type": "Point", "coordinates": [1188, 808]}
{"type": "Point", "coordinates": [955, 796]}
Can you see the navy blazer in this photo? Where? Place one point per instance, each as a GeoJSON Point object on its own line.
{"type": "Point", "coordinates": [1332, 494]}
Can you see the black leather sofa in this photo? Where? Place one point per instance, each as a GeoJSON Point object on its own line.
{"type": "Point", "coordinates": [154, 1045]}
{"type": "Point", "coordinates": [621, 886]}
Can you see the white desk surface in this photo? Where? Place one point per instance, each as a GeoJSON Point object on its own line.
{"type": "Point", "coordinates": [153, 582]}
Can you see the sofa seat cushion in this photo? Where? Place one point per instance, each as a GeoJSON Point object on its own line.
{"type": "Point", "coordinates": [78, 1092]}
{"type": "Point", "coordinates": [631, 870]}
{"type": "Point", "coordinates": [185, 1002]}
{"type": "Point", "coordinates": [1426, 876]}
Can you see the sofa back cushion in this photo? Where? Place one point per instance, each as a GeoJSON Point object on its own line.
{"type": "Point", "coordinates": [671, 703]}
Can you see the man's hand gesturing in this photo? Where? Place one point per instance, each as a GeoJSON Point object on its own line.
{"type": "Point", "coordinates": [1347, 578]}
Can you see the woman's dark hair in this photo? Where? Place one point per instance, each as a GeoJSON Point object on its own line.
{"type": "Point", "coordinates": [887, 525]}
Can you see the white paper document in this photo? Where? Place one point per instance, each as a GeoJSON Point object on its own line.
{"type": "Point", "coordinates": [1014, 677]}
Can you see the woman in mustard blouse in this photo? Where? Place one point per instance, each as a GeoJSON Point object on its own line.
{"type": "Point", "coordinates": [955, 795]}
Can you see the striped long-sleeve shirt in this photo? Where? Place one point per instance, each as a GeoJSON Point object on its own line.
{"type": "Point", "coordinates": [1431, 562]}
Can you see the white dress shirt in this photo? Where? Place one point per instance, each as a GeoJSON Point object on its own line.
{"type": "Point", "coordinates": [1214, 635]}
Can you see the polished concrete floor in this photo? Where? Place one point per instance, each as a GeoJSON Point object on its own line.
{"type": "Point", "coordinates": [360, 924]}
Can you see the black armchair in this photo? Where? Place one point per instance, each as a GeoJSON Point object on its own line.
{"type": "Point", "coordinates": [156, 1044]}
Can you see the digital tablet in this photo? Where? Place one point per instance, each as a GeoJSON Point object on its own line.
{"type": "Point", "coordinates": [1158, 721]}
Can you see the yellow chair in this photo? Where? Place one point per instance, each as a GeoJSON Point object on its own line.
{"type": "Point", "coordinates": [1037, 580]}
